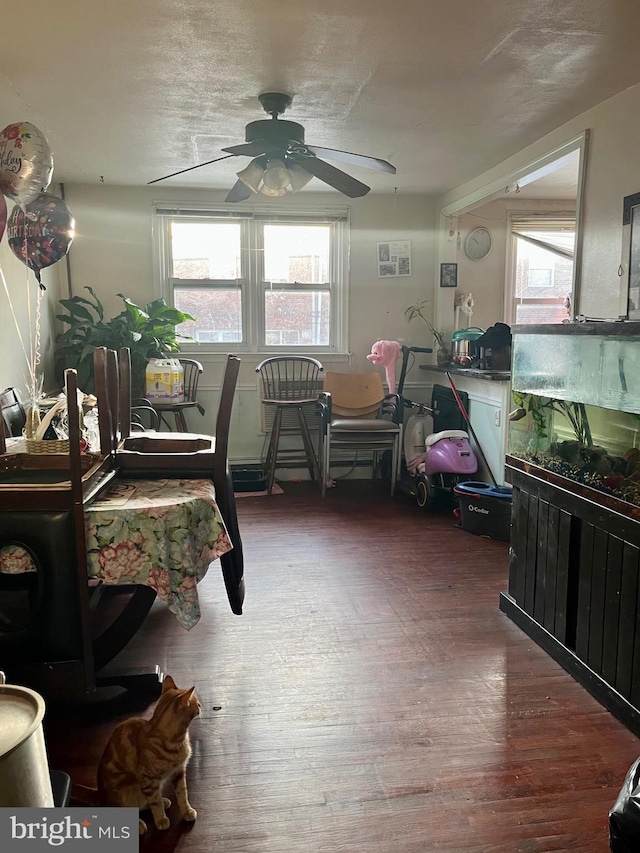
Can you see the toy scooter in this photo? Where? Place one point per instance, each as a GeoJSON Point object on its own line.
{"type": "Point", "coordinates": [434, 462]}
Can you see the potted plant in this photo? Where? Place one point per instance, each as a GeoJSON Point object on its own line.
{"type": "Point", "coordinates": [443, 350]}
{"type": "Point", "coordinates": [149, 333]}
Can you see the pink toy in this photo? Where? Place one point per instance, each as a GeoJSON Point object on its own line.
{"type": "Point", "coordinates": [386, 353]}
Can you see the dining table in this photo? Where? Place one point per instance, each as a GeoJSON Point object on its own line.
{"type": "Point", "coordinates": [161, 533]}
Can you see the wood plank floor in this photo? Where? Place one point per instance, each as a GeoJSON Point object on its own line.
{"type": "Point", "coordinates": [371, 698]}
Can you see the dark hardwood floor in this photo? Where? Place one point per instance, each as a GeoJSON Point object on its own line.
{"type": "Point", "coordinates": [372, 698]}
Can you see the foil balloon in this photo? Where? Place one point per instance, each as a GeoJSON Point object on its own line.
{"type": "Point", "coordinates": [26, 162]}
{"type": "Point", "coordinates": [40, 235]}
{"type": "Point", "coordinates": [3, 215]}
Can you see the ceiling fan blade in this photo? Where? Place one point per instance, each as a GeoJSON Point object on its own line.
{"type": "Point", "coordinates": [189, 169]}
{"type": "Point", "coordinates": [248, 149]}
{"type": "Point", "coordinates": [354, 159]}
{"type": "Point", "coordinates": [239, 192]}
{"type": "Point", "coordinates": [334, 177]}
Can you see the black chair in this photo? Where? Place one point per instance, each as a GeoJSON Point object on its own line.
{"type": "Point", "coordinates": [290, 384]}
{"type": "Point", "coordinates": [14, 416]}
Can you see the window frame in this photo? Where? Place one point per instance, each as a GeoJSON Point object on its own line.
{"type": "Point", "coordinates": [542, 221]}
{"type": "Point", "coordinates": [252, 285]}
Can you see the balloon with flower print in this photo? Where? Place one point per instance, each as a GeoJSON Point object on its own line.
{"type": "Point", "coordinates": [26, 162]}
{"type": "Point", "coordinates": [41, 234]}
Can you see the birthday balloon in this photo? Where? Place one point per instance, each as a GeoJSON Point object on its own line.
{"type": "Point", "coordinates": [40, 235]}
{"type": "Point", "coordinates": [3, 215]}
{"type": "Point", "coordinates": [26, 162]}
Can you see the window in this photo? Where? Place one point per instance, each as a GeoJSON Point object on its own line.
{"type": "Point", "coordinates": [542, 273]}
{"type": "Point", "coordinates": [260, 281]}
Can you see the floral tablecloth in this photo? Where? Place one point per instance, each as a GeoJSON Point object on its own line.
{"type": "Point", "coordinates": [161, 533]}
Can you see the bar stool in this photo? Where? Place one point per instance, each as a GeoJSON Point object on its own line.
{"type": "Point", "coordinates": [290, 383]}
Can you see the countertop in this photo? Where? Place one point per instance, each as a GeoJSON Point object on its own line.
{"type": "Point", "coordinates": [471, 372]}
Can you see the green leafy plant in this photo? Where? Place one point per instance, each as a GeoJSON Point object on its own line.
{"type": "Point", "coordinates": [149, 333]}
{"type": "Point", "coordinates": [575, 413]}
{"type": "Point", "coordinates": [418, 310]}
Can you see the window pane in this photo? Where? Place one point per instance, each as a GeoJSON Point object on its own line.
{"type": "Point", "coordinates": [205, 250]}
{"type": "Point", "coordinates": [543, 279]}
{"type": "Point", "coordinates": [529, 312]}
{"type": "Point", "coordinates": [296, 319]}
{"type": "Point", "coordinates": [296, 253]}
{"type": "Point", "coordinates": [218, 313]}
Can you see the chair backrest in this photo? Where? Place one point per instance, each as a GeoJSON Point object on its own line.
{"type": "Point", "coordinates": [223, 419]}
{"type": "Point", "coordinates": [290, 378]}
{"type": "Point", "coordinates": [192, 373]}
{"type": "Point", "coordinates": [14, 416]}
{"type": "Point", "coordinates": [354, 395]}
{"type": "Point", "coordinates": [105, 368]}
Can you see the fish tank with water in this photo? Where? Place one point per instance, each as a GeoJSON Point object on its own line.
{"type": "Point", "coordinates": [576, 418]}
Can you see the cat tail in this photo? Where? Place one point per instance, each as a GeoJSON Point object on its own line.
{"type": "Point", "coordinates": [83, 795]}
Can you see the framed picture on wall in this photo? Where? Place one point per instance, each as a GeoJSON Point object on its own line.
{"type": "Point", "coordinates": [394, 258]}
{"type": "Point", "coordinates": [448, 275]}
{"type": "Point", "coordinates": [631, 257]}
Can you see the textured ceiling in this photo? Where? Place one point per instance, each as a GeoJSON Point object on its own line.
{"type": "Point", "coordinates": [131, 91]}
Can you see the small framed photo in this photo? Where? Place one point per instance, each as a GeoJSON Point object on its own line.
{"type": "Point", "coordinates": [448, 275]}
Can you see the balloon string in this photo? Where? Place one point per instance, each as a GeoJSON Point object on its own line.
{"type": "Point", "coordinates": [15, 319]}
{"type": "Point", "coordinates": [34, 343]}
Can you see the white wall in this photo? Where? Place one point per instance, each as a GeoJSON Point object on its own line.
{"type": "Point", "coordinates": [112, 253]}
{"type": "Point", "coordinates": [612, 172]}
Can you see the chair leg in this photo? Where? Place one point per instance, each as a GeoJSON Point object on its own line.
{"type": "Point", "coordinates": [181, 422]}
{"type": "Point", "coordinates": [326, 463]}
{"type": "Point", "coordinates": [312, 459]}
{"type": "Point", "coordinates": [273, 447]}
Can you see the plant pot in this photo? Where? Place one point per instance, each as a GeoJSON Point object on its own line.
{"type": "Point", "coordinates": [443, 356]}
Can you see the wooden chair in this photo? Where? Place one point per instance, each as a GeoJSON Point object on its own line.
{"type": "Point", "coordinates": [192, 373]}
{"type": "Point", "coordinates": [289, 384]}
{"type": "Point", "coordinates": [193, 456]}
{"type": "Point", "coordinates": [357, 415]}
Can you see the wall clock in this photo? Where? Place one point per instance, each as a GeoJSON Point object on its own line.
{"type": "Point", "coordinates": [478, 244]}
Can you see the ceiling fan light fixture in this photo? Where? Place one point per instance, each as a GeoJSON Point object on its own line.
{"type": "Point", "coordinates": [276, 177]}
{"type": "Point", "coordinates": [299, 177]}
{"type": "Point", "coordinates": [252, 175]}
{"type": "Point", "coordinates": [272, 193]}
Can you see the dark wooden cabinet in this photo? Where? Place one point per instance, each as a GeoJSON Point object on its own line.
{"type": "Point", "coordinates": [573, 584]}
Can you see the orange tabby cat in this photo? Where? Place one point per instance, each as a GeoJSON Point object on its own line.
{"type": "Point", "coordinates": [141, 755]}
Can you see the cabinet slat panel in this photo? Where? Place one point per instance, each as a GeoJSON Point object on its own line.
{"type": "Point", "coordinates": [598, 592]}
{"type": "Point", "coordinates": [551, 549]}
{"type": "Point", "coordinates": [562, 575]}
{"type": "Point", "coordinates": [518, 544]}
{"type": "Point", "coordinates": [541, 561]}
{"type": "Point", "coordinates": [531, 547]}
{"type": "Point", "coordinates": [584, 591]}
{"type": "Point", "coordinates": [628, 635]}
{"type": "Point", "coordinates": [612, 609]}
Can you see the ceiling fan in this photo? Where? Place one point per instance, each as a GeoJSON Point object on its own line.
{"type": "Point", "coordinates": [283, 162]}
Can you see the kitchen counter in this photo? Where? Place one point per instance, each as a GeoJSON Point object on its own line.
{"type": "Point", "coordinates": [471, 372]}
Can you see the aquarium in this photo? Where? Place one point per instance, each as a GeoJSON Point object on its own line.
{"type": "Point", "coordinates": [576, 397]}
